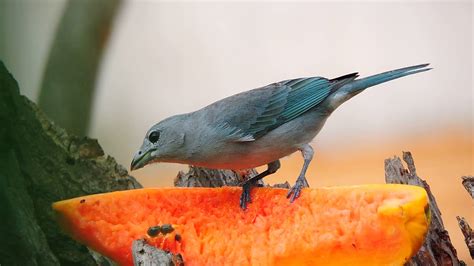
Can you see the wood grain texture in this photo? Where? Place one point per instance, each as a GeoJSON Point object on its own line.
{"type": "Point", "coordinates": [437, 249]}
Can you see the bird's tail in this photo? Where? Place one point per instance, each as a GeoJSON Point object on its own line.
{"type": "Point", "coordinates": [364, 83]}
{"type": "Point", "coordinates": [351, 86]}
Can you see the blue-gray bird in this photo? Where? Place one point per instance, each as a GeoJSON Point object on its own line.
{"type": "Point", "coordinates": [257, 127]}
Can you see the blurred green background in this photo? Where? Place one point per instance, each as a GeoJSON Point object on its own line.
{"type": "Point", "coordinates": [110, 69]}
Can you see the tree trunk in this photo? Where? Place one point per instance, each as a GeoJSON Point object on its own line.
{"type": "Point", "coordinates": [40, 164]}
{"type": "Point", "coordinates": [70, 76]}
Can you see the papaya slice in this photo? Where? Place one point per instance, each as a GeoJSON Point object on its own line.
{"type": "Point", "coordinates": [354, 225]}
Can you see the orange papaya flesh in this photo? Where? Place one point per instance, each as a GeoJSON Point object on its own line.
{"type": "Point", "coordinates": [354, 225]}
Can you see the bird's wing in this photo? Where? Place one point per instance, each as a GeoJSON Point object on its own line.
{"type": "Point", "coordinates": [273, 105]}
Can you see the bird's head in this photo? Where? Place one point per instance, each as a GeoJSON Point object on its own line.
{"type": "Point", "coordinates": [162, 143]}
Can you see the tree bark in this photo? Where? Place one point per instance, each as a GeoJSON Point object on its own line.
{"type": "Point", "coordinates": [437, 249]}
{"type": "Point", "coordinates": [468, 183]}
{"type": "Point", "coordinates": [203, 177]}
{"type": "Point", "coordinates": [468, 234]}
{"type": "Point", "coordinates": [146, 255]}
{"type": "Point", "coordinates": [40, 163]}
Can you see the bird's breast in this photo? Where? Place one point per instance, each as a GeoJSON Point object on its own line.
{"type": "Point", "coordinates": [214, 151]}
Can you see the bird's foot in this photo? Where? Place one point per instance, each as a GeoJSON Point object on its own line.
{"type": "Point", "coordinates": [295, 191]}
{"type": "Point", "coordinates": [245, 196]}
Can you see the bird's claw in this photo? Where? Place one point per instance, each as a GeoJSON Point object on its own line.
{"type": "Point", "coordinates": [245, 196]}
{"type": "Point", "coordinates": [295, 191]}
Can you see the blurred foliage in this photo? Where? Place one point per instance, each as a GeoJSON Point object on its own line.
{"type": "Point", "coordinates": [69, 79]}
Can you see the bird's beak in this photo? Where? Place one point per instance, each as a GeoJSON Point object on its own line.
{"type": "Point", "coordinates": [141, 159]}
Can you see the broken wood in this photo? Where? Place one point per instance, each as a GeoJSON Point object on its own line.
{"type": "Point", "coordinates": [468, 234]}
{"type": "Point", "coordinates": [203, 177]}
{"type": "Point", "coordinates": [437, 249]}
{"type": "Point", "coordinates": [146, 255]}
{"type": "Point", "coordinates": [468, 183]}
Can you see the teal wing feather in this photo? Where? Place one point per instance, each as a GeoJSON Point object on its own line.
{"type": "Point", "coordinates": [269, 107]}
{"type": "Point", "coordinates": [292, 99]}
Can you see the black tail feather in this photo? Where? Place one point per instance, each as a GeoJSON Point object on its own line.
{"type": "Point", "coordinates": [351, 76]}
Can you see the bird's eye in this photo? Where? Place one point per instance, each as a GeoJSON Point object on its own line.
{"type": "Point", "coordinates": [154, 136]}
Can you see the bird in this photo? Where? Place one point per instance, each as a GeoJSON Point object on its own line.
{"type": "Point", "coordinates": [257, 127]}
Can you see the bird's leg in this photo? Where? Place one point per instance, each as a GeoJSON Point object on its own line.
{"type": "Point", "coordinates": [248, 184]}
{"type": "Point", "coordinates": [301, 182]}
